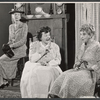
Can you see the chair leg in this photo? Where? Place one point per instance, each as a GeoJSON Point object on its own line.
{"type": "Point", "coordinates": [11, 82]}
{"type": "Point", "coordinates": [97, 91]}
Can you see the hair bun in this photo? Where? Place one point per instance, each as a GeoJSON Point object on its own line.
{"type": "Point", "coordinates": [92, 27]}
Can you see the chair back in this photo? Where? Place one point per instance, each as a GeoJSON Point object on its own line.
{"type": "Point", "coordinates": [33, 39]}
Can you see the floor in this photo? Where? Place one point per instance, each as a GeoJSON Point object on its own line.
{"type": "Point", "coordinates": [15, 87]}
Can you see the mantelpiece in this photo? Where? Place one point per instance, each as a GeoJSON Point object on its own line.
{"type": "Point", "coordinates": [51, 17]}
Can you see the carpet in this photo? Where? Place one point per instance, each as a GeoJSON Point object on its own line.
{"type": "Point", "coordinates": [9, 94]}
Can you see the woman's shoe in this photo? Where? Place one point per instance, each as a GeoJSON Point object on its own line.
{"type": "Point", "coordinates": [7, 84]}
{"type": "Point", "coordinates": [2, 86]}
{"type": "Point", "coordinates": [52, 96]}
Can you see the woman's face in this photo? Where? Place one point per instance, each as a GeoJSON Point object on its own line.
{"type": "Point", "coordinates": [45, 37]}
{"type": "Point", "coordinates": [17, 16]}
{"type": "Point", "coordinates": [85, 37]}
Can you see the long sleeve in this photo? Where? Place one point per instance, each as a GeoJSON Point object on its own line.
{"type": "Point", "coordinates": [57, 59]}
{"type": "Point", "coordinates": [80, 53]}
{"type": "Point", "coordinates": [96, 67]}
{"type": "Point", "coordinates": [10, 31]}
{"type": "Point", "coordinates": [78, 58]}
{"type": "Point", "coordinates": [33, 54]}
{"type": "Point", "coordinates": [11, 35]}
{"type": "Point", "coordinates": [23, 39]}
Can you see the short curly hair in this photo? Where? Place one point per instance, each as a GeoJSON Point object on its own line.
{"type": "Point", "coordinates": [88, 28]}
{"type": "Point", "coordinates": [43, 29]}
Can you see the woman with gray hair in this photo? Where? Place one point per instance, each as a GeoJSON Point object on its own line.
{"type": "Point", "coordinates": [80, 81]}
{"type": "Point", "coordinates": [42, 68]}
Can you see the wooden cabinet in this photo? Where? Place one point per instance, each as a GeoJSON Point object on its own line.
{"type": "Point", "coordinates": [58, 25]}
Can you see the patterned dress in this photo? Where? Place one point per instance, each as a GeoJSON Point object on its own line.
{"type": "Point", "coordinates": [17, 38]}
{"type": "Point", "coordinates": [37, 79]}
{"type": "Point", "coordinates": [77, 83]}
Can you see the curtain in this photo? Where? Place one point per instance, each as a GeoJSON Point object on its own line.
{"type": "Point", "coordinates": [86, 13]}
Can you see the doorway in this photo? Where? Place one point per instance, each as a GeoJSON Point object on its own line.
{"type": "Point", "coordinates": [71, 35]}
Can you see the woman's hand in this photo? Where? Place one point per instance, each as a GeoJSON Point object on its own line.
{"type": "Point", "coordinates": [11, 46]}
{"type": "Point", "coordinates": [44, 63]}
{"type": "Point", "coordinates": [76, 68]}
{"type": "Point", "coordinates": [43, 51]}
{"type": "Point", "coordinates": [77, 64]}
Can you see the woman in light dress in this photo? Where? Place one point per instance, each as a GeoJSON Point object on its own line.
{"type": "Point", "coordinates": [17, 42]}
{"type": "Point", "coordinates": [80, 81]}
{"type": "Point", "coordinates": [42, 68]}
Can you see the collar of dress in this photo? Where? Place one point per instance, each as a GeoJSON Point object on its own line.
{"type": "Point", "coordinates": [44, 45]}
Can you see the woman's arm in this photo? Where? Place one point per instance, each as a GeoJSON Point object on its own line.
{"type": "Point", "coordinates": [34, 54]}
{"type": "Point", "coordinates": [57, 60]}
{"type": "Point", "coordinates": [11, 40]}
{"type": "Point", "coordinates": [78, 59]}
{"type": "Point", "coordinates": [96, 67]}
{"type": "Point", "coordinates": [23, 39]}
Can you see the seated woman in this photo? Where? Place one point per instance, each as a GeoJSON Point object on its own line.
{"type": "Point", "coordinates": [17, 42]}
{"type": "Point", "coordinates": [80, 81]}
{"type": "Point", "coordinates": [42, 68]}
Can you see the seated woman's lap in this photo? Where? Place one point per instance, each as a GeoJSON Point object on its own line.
{"type": "Point", "coordinates": [35, 69]}
{"type": "Point", "coordinates": [4, 57]}
{"type": "Point", "coordinates": [80, 75]}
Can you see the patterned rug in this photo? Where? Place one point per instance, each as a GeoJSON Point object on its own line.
{"type": "Point", "coordinates": [9, 94]}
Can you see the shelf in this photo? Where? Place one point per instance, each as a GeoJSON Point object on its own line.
{"type": "Point", "coordinates": [51, 17]}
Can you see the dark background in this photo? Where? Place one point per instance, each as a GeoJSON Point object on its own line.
{"type": "Point", "coordinates": [5, 21]}
{"type": "Point", "coordinates": [71, 34]}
